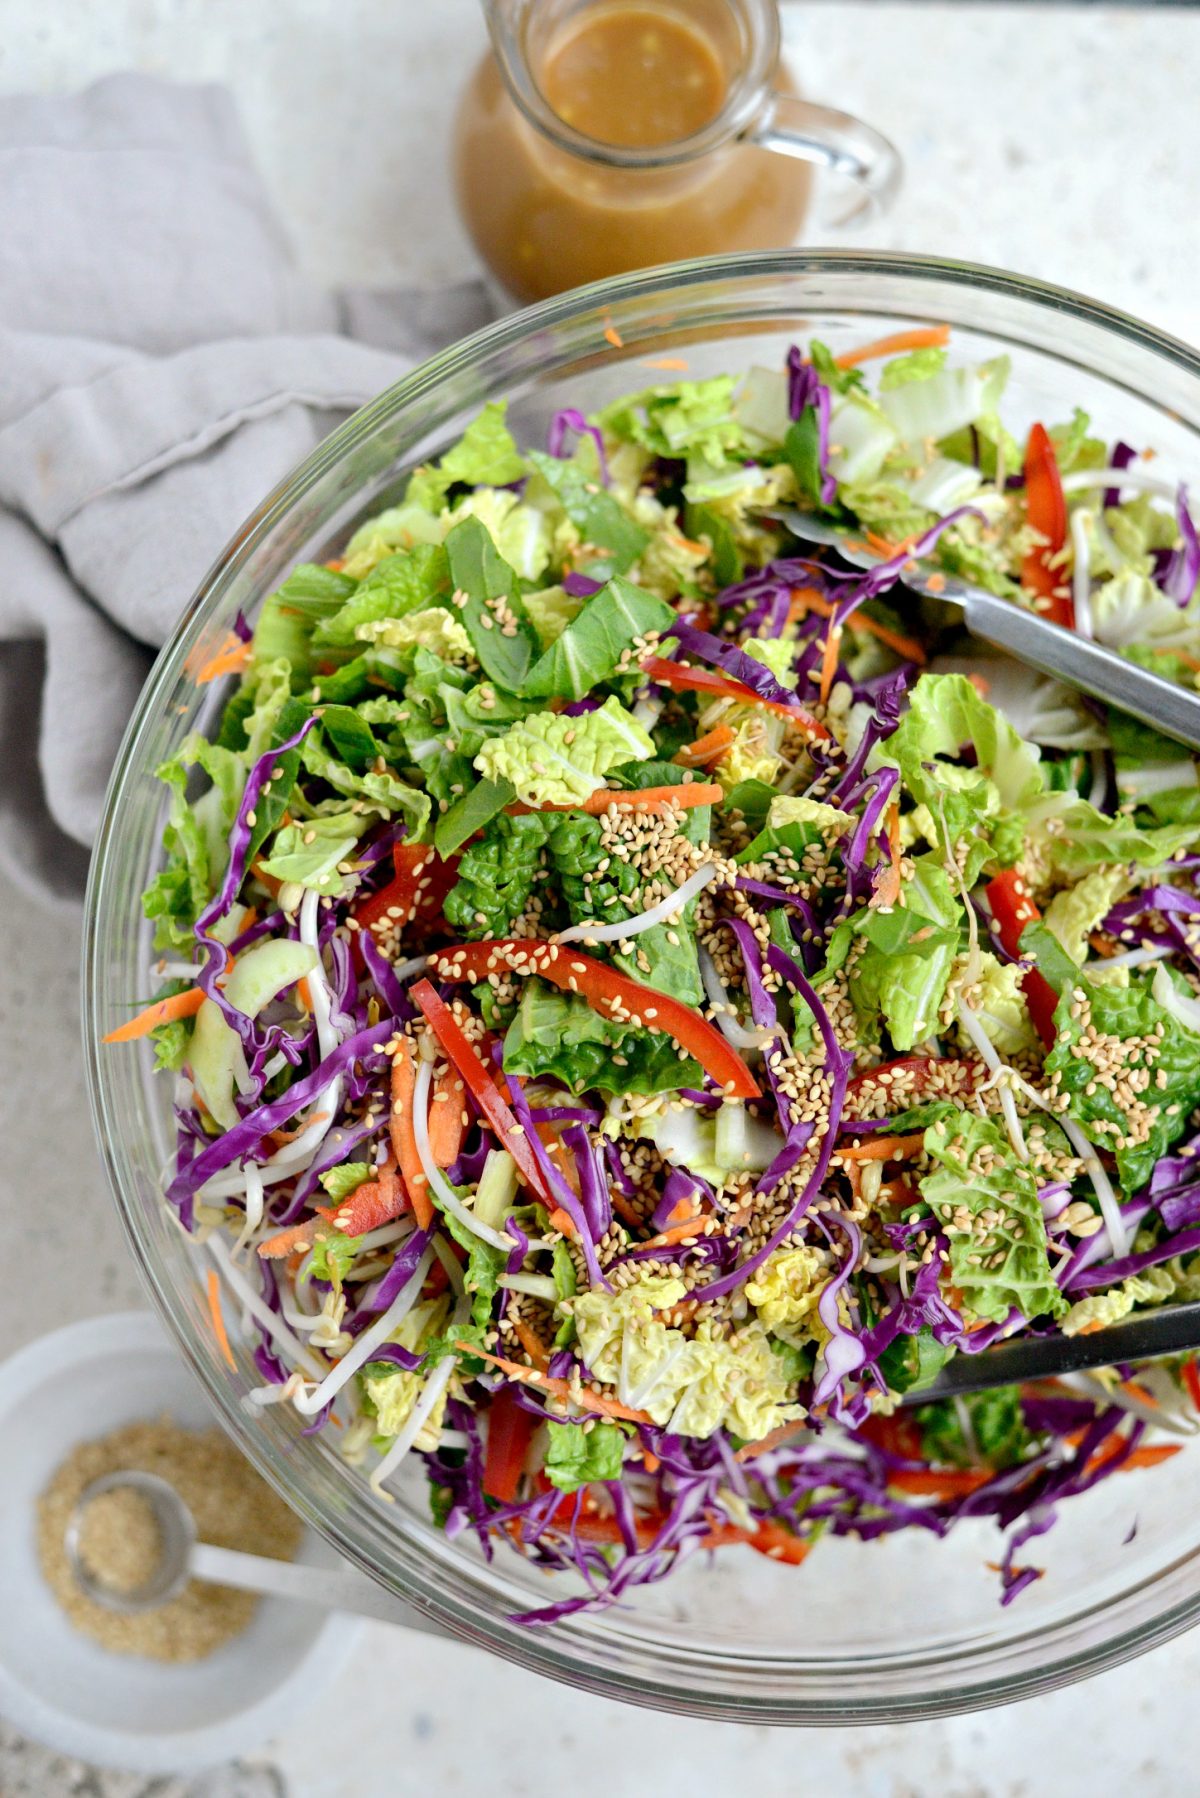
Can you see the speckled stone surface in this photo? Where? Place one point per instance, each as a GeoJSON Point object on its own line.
{"type": "Point", "coordinates": [1058, 141]}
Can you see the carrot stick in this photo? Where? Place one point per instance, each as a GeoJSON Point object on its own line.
{"type": "Point", "coordinates": [446, 1127]}
{"type": "Point", "coordinates": [218, 1321]}
{"type": "Point", "coordinates": [1152, 1455]}
{"type": "Point", "coordinates": [231, 658]}
{"type": "Point", "coordinates": [773, 1439]}
{"type": "Point", "coordinates": [532, 1344]}
{"type": "Point", "coordinates": [678, 363]}
{"type": "Point", "coordinates": [589, 1399]}
{"type": "Point", "coordinates": [688, 1226]}
{"type": "Point", "coordinates": [888, 891]}
{"type": "Point", "coordinates": [829, 658]}
{"type": "Point", "coordinates": [634, 1219]}
{"type": "Point", "coordinates": [648, 799]}
{"type": "Point", "coordinates": [708, 748]}
{"type": "Point", "coordinates": [924, 1482]}
{"type": "Point", "coordinates": [296, 1239]}
{"type": "Point", "coordinates": [404, 1140]}
{"type": "Point", "coordinates": [163, 1011]}
{"type": "Point", "coordinates": [927, 337]}
{"type": "Point", "coordinates": [882, 1148]}
{"type": "Point", "coordinates": [883, 546]}
{"type": "Point", "coordinates": [278, 1139]}
{"type": "Point", "coordinates": [807, 599]}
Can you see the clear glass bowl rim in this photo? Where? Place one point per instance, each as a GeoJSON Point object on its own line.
{"type": "Point", "coordinates": [1001, 1674]}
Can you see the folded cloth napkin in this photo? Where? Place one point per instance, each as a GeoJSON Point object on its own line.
{"type": "Point", "coordinates": [163, 363]}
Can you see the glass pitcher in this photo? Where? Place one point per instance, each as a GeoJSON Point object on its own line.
{"type": "Point", "coordinates": [554, 194]}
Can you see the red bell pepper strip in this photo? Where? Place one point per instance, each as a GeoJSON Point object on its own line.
{"type": "Point", "coordinates": [1012, 909]}
{"type": "Point", "coordinates": [916, 1072]}
{"type": "Point", "coordinates": [590, 1524]}
{"type": "Point", "coordinates": [375, 1203]}
{"type": "Point", "coordinates": [1191, 1379]}
{"type": "Point", "coordinates": [1046, 511]}
{"type": "Point", "coordinates": [610, 993]}
{"type": "Point", "coordinates": [685, 679]}
{"type": "Point", "coordinates": [510, 1431]}
{"type": "Point", "coordinates": [462, 1052]}
{"type": "Point", "coordinates": [417, 891]}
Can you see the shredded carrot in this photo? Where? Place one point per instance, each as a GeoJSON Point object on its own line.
{"type": "Point", "coordinates": [337, 564]}
{"type": "Point", "coordinates": [304, 992]}
{"type": "Point", "coordinates": [1152, 1455]}
{"type": "Point", "coordinates": [644, 799]}
{"type": "Point", "coordinates": [404, 1141]}
{"type": "Point", "coordinates": [1136, 1390]}
{"type": "Point", "coordinates": [296, 1239]}
{"type": "Point", "coordinates": [829, 660]}
{"type": "Point", "coordinates": [562, 1221]}
{"type": "Point", "coordinates": [218, 1321]}
{"type": "Point", "coordinates": [613, 336]}
{"type": "Point", "coordinates": [531, 1343]}
{"type": "Point", "coordinates": [935, 582]}
{"type": "Point", "coordinates": [679, 364]}
{"type": "Point", "coordinates": [807, 599]}
{"type": "Point", "coordinates": [888, 890]}
{"type": "Point", "coordinates": [562, 1389]}
{"type": "Point", "coordinates": [707, 749]}
{"type": "Point", "coordinates": [773, 1439]}
{"type": "Point", "coordinates": [924, 1482]}
{"type": "Point", "coordinates": [231, 658]}
{"type": "Point", "coordinates": [268, 880]}
{"type": "Point", "coordinates": [688, 1226]}
{"type": "Point", "coordinates": [625, 1210]}
{"type": "Point", "coordinates": [883, 546]}
{"type": "Point", "coordinates": [163, 1011]}
{"type": "Point", "coordinates": [446, 1127]}
{"type": "Point", "coordinates": [699, 549]}
{"type": "Point", "coordinates": [883, 1148]}
{"type": "Point", "coordinates": [650, 1460]}
{"type": "Point", "coordinates": [278, 1139]}
{"type": "Point", "coordinates": [927, 337]}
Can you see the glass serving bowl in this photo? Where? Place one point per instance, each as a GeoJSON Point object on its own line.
{"type": "Point", "coordinates": [906, 1627]}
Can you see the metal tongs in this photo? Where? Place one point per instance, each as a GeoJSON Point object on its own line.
{"type": "Point", "coordinates": [1076, 661]}
{"type": "Point", "coordinates": [1100, 672]}
{"type": "Point", "coordinates": [1149, 1336]}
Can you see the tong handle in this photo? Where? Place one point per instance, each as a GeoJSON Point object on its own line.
{"type": "Point", "coordinates": [1081, 663]}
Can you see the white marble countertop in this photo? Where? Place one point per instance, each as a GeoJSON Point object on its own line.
{"type": "Point", "coordinates": [1060, 142]}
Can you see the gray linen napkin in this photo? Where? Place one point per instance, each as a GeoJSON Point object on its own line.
{"type": "Point", "coordinates": [162, 364]}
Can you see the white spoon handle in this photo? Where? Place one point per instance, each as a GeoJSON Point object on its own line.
{"type": "Point", "coordinates": [333, 1588]}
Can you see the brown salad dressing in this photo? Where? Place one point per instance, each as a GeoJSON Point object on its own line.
{"type": "Point", "coordinates": [628, 75]}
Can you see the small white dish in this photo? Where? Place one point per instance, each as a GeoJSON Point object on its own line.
{"type": "Point", "coordinates": [62, 1688]}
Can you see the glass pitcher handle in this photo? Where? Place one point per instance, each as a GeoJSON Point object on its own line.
{"type": "Point", "coordinates": [835, 141]}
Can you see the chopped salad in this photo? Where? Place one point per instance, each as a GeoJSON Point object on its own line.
{"type": "Point", "coordinates": [642, 993]}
